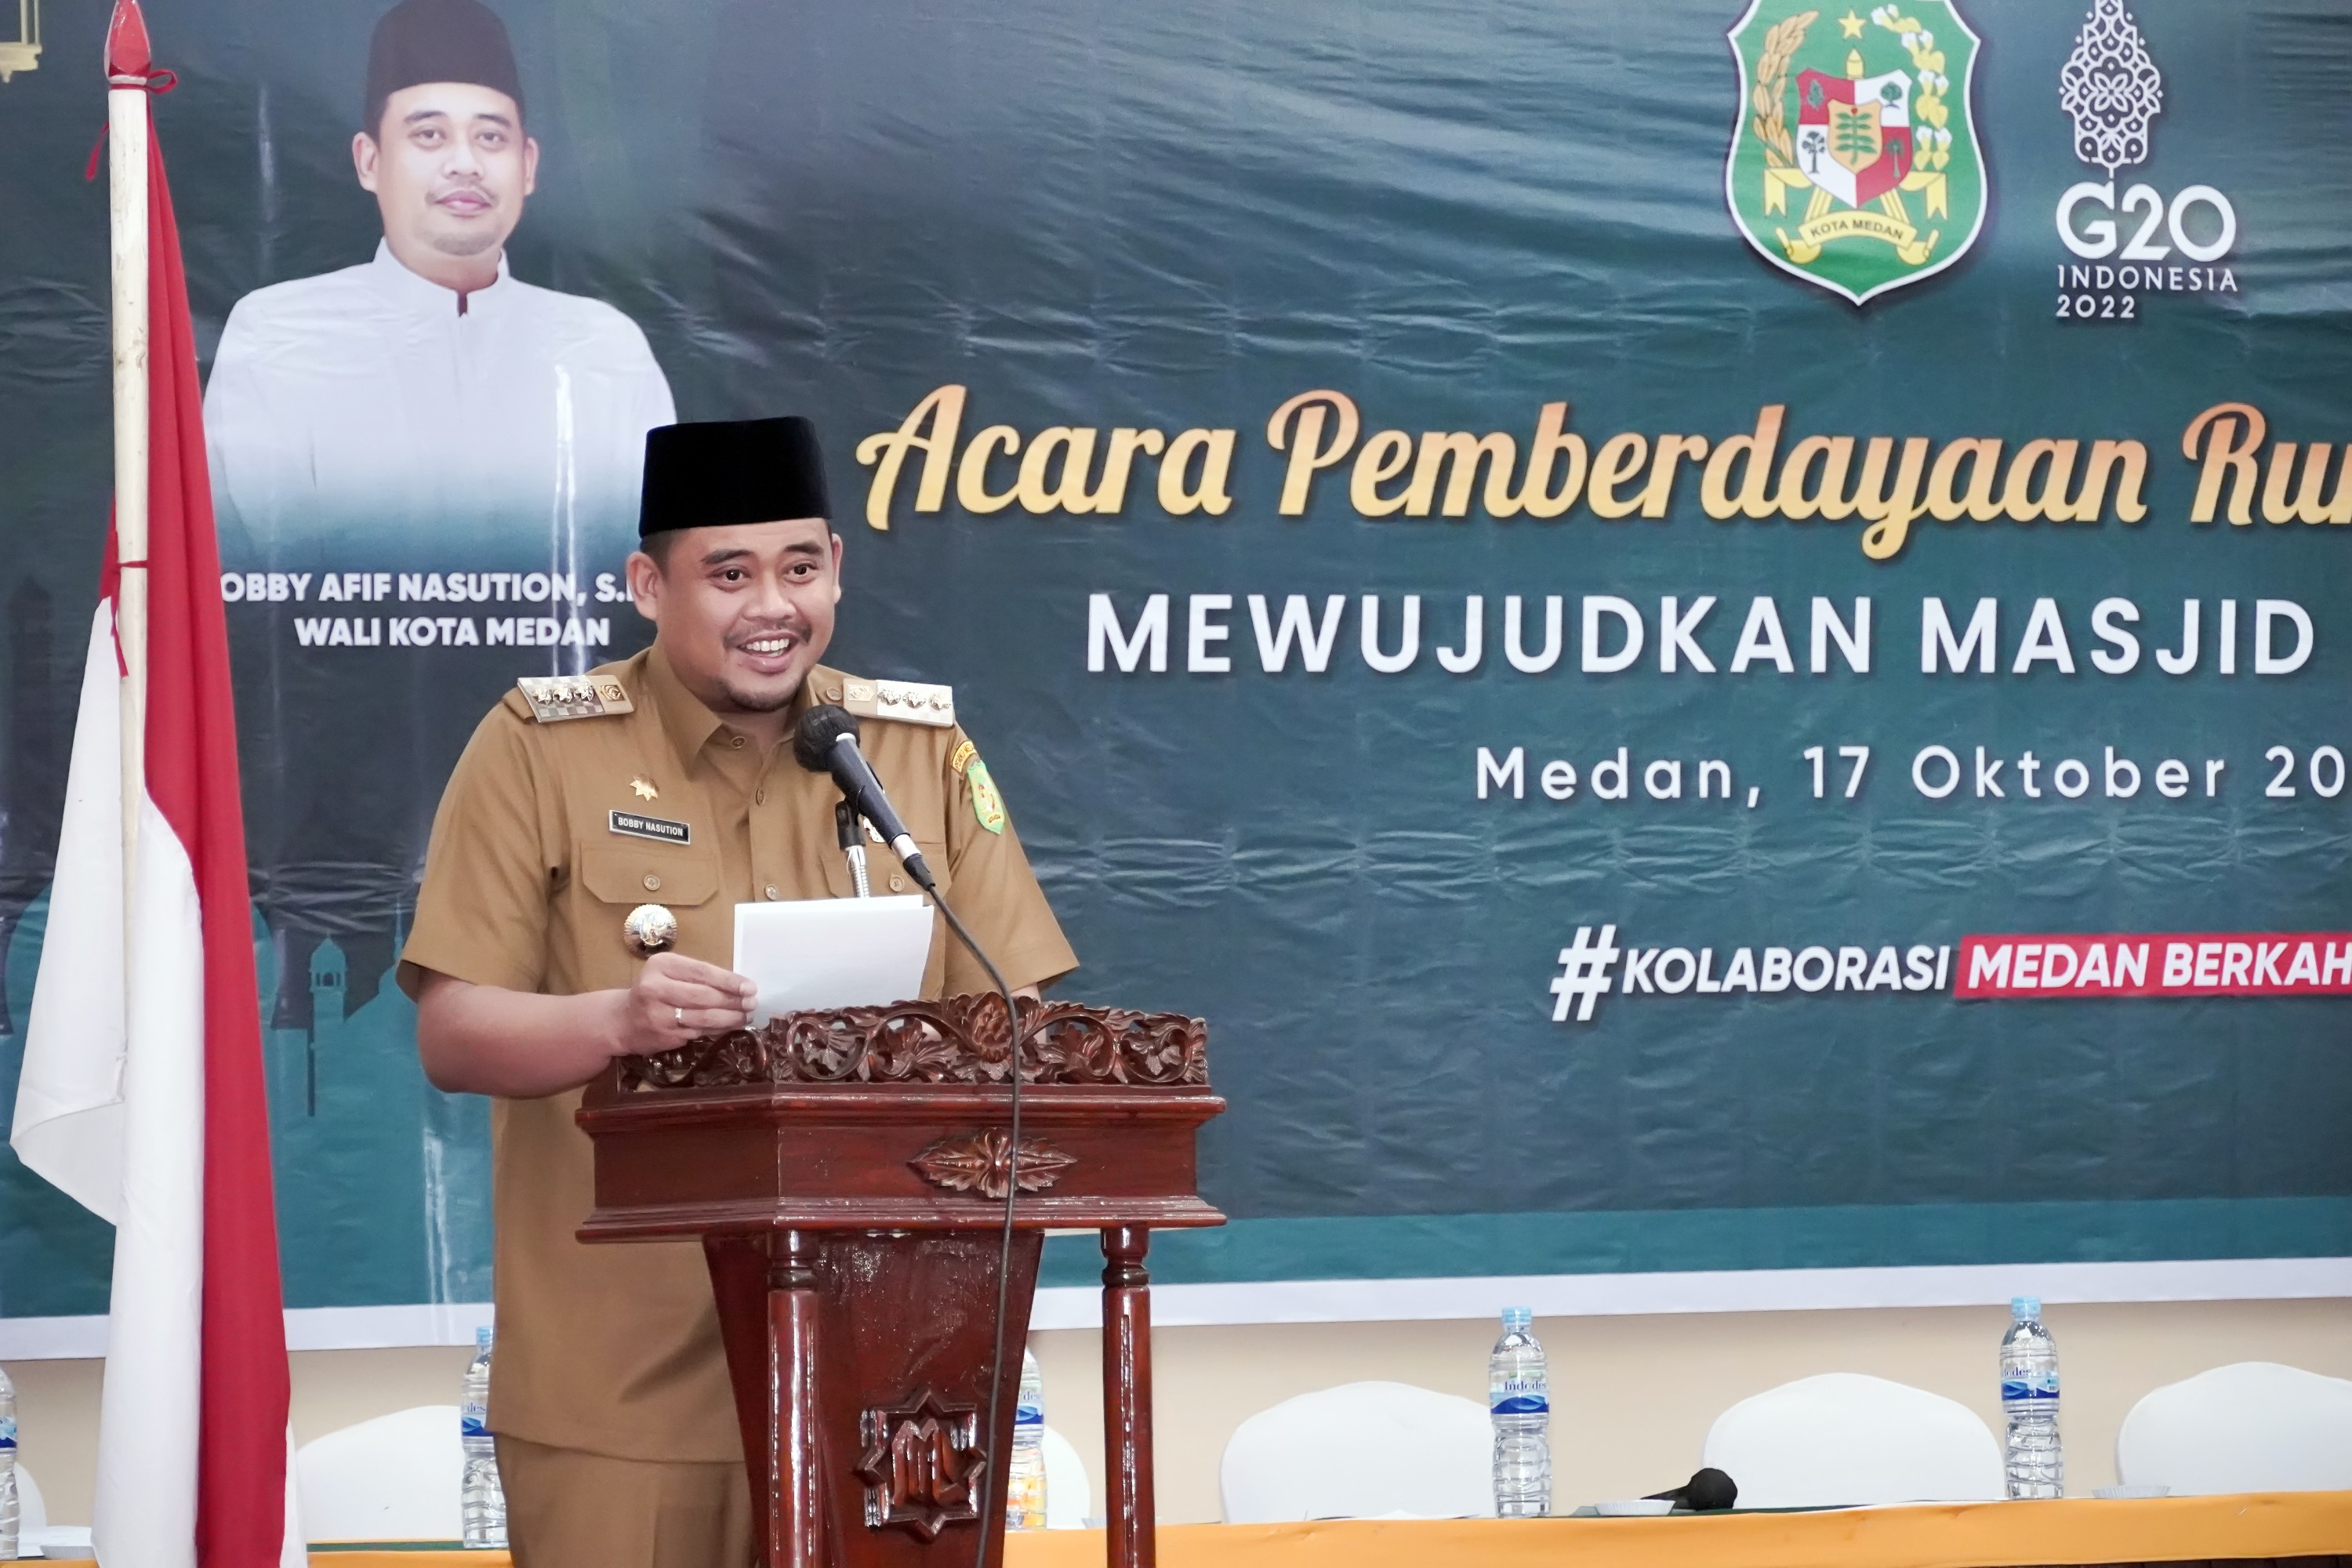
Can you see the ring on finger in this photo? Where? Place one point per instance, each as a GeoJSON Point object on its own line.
{"type": "Point", "coordinates": [678, 1014]}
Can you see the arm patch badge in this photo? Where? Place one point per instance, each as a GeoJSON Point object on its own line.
{"type": "Point", "coordinates": [987, 806]}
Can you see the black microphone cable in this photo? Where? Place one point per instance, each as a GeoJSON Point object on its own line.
{"type": "Point", "coordinates": [812, 746]}
{"type": "Point", "coordinates": [1012, 1190]}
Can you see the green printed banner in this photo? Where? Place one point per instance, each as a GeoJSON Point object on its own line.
{"type": "Point", "coordinates": [1709, 637]}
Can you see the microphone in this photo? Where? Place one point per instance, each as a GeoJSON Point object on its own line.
{"type": "Point", "coordinates": [826, 742]}
{"type": "Point", "coordinates": [1705, 1493]}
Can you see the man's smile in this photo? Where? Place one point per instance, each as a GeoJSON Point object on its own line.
{"type": "Point", "coordinates": [770, 653]}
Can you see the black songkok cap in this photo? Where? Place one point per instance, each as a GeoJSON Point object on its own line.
{"type": "Point", "coordinates": [437, 40]}
{"type": "Point", "coordinates": [727, 473]}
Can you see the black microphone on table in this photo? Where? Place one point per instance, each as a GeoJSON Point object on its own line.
{"type": "Point", "coordinates": [1704, 1492]}
{"type": "Point", "coordinates": [826, 742]}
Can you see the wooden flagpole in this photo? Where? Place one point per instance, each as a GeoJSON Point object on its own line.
{"type": "Point", "coordinates": [127, 124]}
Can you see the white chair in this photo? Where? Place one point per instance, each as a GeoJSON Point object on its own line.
{"type": "Point", "coordinates": [2255, 1427]}
{"type": "Point", "coordinates": [396, 1477]}
{"type": "Point", "coordinates": [1403, 1452]}
{"type": "Point", "coordinates": [32, 1513]}
{"type": "Point", "coordinates": [1069, 1496]}
{"type": "Point", "coordinates": [1842, 1438]}
{"type": "Point", "coordinates": [34, 1528]}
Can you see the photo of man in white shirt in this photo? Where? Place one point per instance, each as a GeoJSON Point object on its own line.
{"type": "Point", "coordinates": [425, 398]}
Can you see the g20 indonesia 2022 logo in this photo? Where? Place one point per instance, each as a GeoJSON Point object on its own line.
{"type": "Point", "coordinates": [1855, 162]}
{"type": "Point", "coordinates": [2145, 243]}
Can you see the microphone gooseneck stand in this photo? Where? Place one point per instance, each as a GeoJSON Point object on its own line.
{"type": "Point", "coordinates": [825, 741]}
{"type": "Point", "coordinates": [1011, 1188]}
{"type": "Point", "coordinates": [853, 845]}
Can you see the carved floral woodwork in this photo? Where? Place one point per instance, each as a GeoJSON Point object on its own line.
{"type": "Point", "coordinates": [954, 1040]}
{"type": "Point", "coordinates": [922, 1465]}
{"type": "Point", "coordinates": [819, 1162]}
{"type": "Point", "coordinates": [982, 1160]}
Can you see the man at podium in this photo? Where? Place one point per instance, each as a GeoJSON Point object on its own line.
{"type": "Point", "coordinates": [665, 780]}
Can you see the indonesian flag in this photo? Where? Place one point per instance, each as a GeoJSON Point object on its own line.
{"type": "Point", "coordinates": [141, 1094]}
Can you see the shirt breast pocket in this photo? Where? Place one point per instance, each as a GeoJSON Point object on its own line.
{"type": "Point", "coordinates": [676, 878]}
{"type": "Point", "coordinates": [935, 856]}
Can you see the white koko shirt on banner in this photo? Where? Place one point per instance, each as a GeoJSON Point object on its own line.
{"type": "Point", "coordinates": [366, 399]}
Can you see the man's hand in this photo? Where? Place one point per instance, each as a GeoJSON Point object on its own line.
{"type": "Point", "coordinates": [676, 999]}
{"type": "Point", "coordinates": [483, 1039]}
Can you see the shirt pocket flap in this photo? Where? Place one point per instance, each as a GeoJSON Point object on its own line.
{"type": "Point", "coordinates": [935, 856]}
{"type": "Point", "coordinates": [655, 874]}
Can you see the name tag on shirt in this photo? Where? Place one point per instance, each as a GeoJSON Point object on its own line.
{"type": "Point", "coordinates": [658, 828]}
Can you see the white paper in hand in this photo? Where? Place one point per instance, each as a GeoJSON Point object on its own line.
{"type": "Point", "coordinates": [831, 953]}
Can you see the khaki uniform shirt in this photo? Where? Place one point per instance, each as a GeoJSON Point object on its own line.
{"type": "Point", "coordinates": [613, 1349]}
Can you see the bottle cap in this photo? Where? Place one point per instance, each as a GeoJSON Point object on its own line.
{"type": "Point", "coordinates": [1517, 1317]}
{"type": "Point", "coordinates": [2021, 1308]}
{"type": "Point", "coordinates": [482, 1337]}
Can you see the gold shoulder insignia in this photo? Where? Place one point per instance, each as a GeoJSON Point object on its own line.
{"type": "Point", "coordinates": [907, 701]}
{"type": "Point", "coordinates": [554, 699]}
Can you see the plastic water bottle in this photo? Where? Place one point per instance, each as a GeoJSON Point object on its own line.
{"type": "Point", "coordinates": [1024, 1489]}
{"type": "Point", "coordinates": [1518, 1393]}
{"type": "Point", "coordinates": [483, 1505]}
{"type": "Point", "coordinates": [8, 1466]}
{"type": "Point", "coordinates": [2029, 1398]}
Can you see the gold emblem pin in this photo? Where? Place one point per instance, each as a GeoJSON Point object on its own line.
{"type": "Point", "coordinates": [644, 788]}
{"type": "Point", "coordinates": [649, 929]}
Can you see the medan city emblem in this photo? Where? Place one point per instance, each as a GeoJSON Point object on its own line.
{"type": "Point", "coordinates": [1855, 161]}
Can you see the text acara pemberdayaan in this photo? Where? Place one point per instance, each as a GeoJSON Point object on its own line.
{"type": "Point", "coordinates": [1887, 483]}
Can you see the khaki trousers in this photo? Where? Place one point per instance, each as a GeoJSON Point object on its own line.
{"type": "Point", "coordinates": [570, 1510]}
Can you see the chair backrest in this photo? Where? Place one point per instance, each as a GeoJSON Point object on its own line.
{"type": "Point", "coordinates": [32, 1512]}
{"type": "Point", "coordinates": [396, 1477]}
{"type": "Point", "coordinates": [1362, 1450]}
{"type": "Point", "coordinates": [2255, 1427]}
{"type": "Point", "coordinates": [1069, 1496]}
{"type": "Point", "coordinates": [1842, 1438]}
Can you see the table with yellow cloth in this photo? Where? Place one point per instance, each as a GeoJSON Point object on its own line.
{"type": "Point", "coordinates": [2256, 1527]}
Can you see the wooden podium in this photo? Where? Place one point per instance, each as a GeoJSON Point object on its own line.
{"type": "Point", "coordinates": [845, 1173]}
